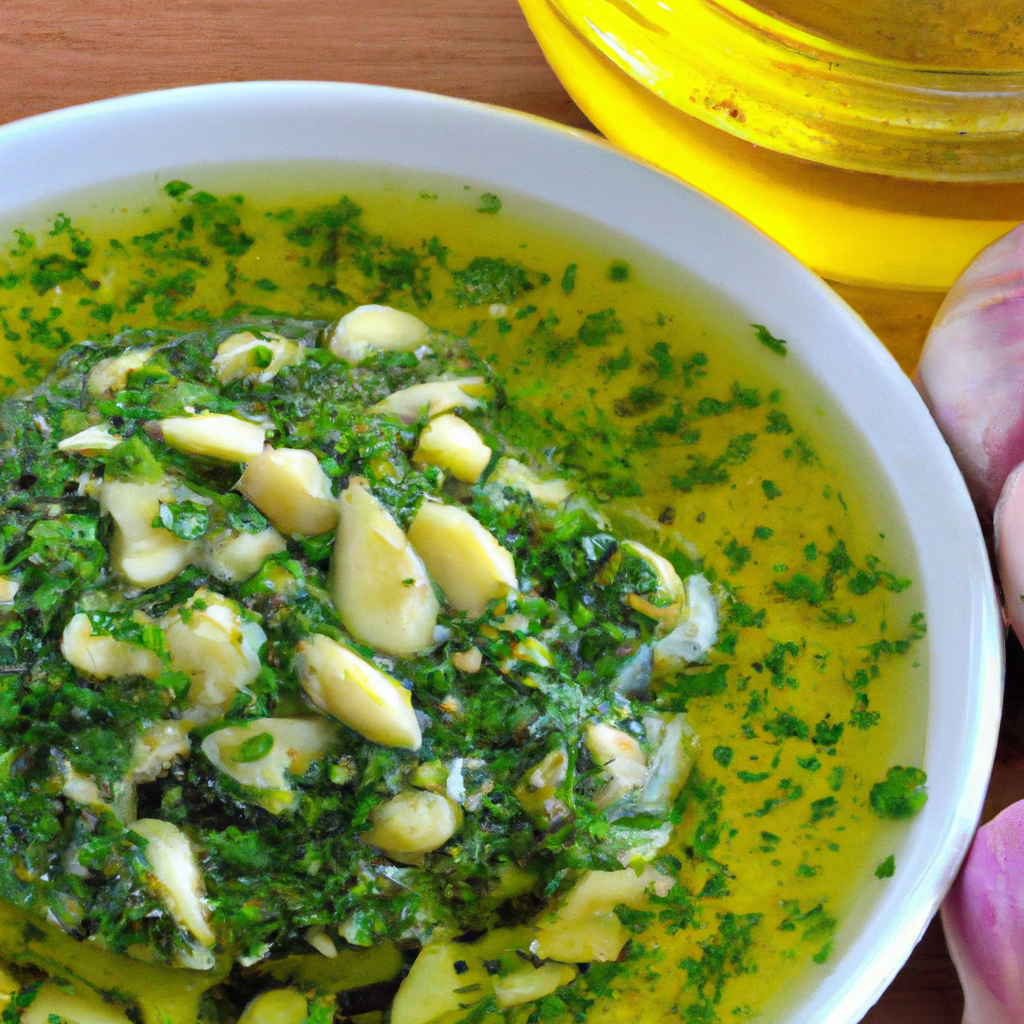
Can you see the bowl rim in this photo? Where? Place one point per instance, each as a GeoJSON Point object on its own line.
{"type": "Point", "coordinates": [570, 169]}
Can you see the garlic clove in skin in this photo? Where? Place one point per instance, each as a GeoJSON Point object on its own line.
{"type": "Point", "coordinates": [971, 372]}
{"type": "Point", "coordinates": [983, 918]}
{"type": "Point", "coordinates": [971, 376]}
{"type": "Point", "coordinates": [1009, 544]}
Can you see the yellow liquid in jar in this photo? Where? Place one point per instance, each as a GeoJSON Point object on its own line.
{"type": "Point", "coordinates": [958, 35]}
{"type": "Point", "coordinates": [893, 246]}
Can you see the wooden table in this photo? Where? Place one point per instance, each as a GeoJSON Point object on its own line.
{"type": "Point", "coordinates": [53, 55]}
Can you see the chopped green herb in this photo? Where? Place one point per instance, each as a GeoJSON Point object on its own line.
{"type": "Point", "coordinates": [777, 345]}
{"type": "Point", "coordinates": [901, 795]}
{"type": "Point", "coordinates": [887, 868]}
{"type": "Point", "coordinates": [489, 203]}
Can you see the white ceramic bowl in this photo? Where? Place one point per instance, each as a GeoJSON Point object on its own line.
{"type": "Point", "coordinates": [44, 157]}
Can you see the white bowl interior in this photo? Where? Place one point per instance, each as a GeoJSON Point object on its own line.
{"type": "Point", "coordinates": [45, 157]}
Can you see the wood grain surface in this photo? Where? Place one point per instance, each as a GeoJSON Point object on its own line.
{"type": "Point", "coordinates": [53, 54]}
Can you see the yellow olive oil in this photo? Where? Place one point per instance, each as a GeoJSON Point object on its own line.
{"type": "Point", "coordinates": [695, 432]}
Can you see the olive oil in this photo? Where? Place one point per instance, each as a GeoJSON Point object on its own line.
{"type": "Point", "coordinates": [698, 434]}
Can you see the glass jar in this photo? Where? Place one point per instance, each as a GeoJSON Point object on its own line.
{"type": "Point", "coordinates": [880, 142]}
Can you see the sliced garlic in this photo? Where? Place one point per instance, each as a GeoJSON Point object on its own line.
{"type": "Point", "coordinates": [145, 555]}
{"type": "Point", "coordinates": [211, 644]}
{"type": "Point", "coordinates": [532, 650]}
{"type": "Point", "coordinates": [380, 585]}
{"type": "Point", "coordinates": [213, 436]}
{"type": "Point", "coordinates": [376, 327]}
{"type": "Point", "coordinates": [432, 398]}
{"type": "Point", "coordinates": [696, 633]}
{"type": "Point", "coordinates": [109, 376]}
{"type": "Point", "coordinates": [279, 1006]}
{"type": "Point", "coordinates": [91, 440]}
{"type": "Point", "coordinates": [674, 746]}
{"type": "Point", "coordinates": [240, 357]}
{"type": "Point", "coordinates": [670, 586]}
{"type": "Point", "coordinates": [512, 473]}
{"type": "Point", "coordinates": [537, 789]}
{"type": "Point", "coordinates": [468, 661]}
{"type": "Point", "coordinates": [530, 983]}
{"type": "Point", "coordinates": [585, 927]}
{"type": "Point", "coordinates": [176, 871]}
{"type": "Point", "coordinates": [103, 657]}
{"type": "Point", "coordinates": [8, 986]}
{"type": "Point", "coordinates": [276, 746]}
{"type": "Point", "coordinates": [455, 446]}
{"type": "Point", "coordinates": [158, 748]}
{"type": "Point", "coordinates": [412, 824]}
{"type": "Point", "coordinates": [288, 486]}
{"type": "Point", "coordinates": [234, 555]}
{"type": "Point", "coordinates": [82, 789]}
{"type": "Point", "coordinates": [349, 688]}
{"type": "Point", "coordinates": [317, 937]}
{"type": "Point", "coordinates": [8, 590]}
{"type": "Point", "coordinates": [622, 760]}
{"type": "Point", "coordinates": [448, 977]}
{"type": "Point", "coordinates": [71, 1003]}
{"type": "Point", "coordinates": [470, 566]}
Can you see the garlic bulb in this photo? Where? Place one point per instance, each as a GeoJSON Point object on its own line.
{"type": "Point", "coordinates": [983, 917]}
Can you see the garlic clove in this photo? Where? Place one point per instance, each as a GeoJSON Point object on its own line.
{"type": "Point", "coordinates": [145, 555]}
{"type": "Point", "coordinates": [538, 788]}
{"type": "Point", "coordinates": [278, 1006]}
{"type": "Point", "coordinates": [244, 356]}
{"type": "Point", "coordinates": [621, 757]}
{"type": "Point", "coordinates": [696, 632]}
{"type": "Point", "coordinates": [209, 641]}
{"type": "Point", "coordinates": [432, 398]}
{"type": "Point", "coordinates": [72, 1002]}
{"type": "Point", "coordinates": [414, 823]}
{"type": "Point", "coordinates": [352, 690]}
{"type": "Point", "coordinates": [288, 486]}
{"type": "Point", "coordinates": [453, 445]}
{"type": "Point", "coordinates": [670, 586]}
{"type": "Point", "coordinates": [512, 473]}
{"type": "Point", "coordinates": [376, 327]}
{"type": "Point", "coordinates": [104, 657]}
{"type": "Point", "coordinates": [531, 983]}
{"type": "Point", "coordinates": [264, 752]}
{"type": "Point", "coordinates": [674, 746]}
{"type": "Point", "coordinates": [176, 871]}
{"type": "Point", "coordinates": [234, 555]}
{"type": "Point", "coordinates": [470, 566]}
{"type": "Point", "coordinates": [1009, 544]}
{"type": "Point", "coordinates": [159, 746]}
{"type": "Point", "coordinates": [585, 928]}
{"type": "Point", "coordinates": [91, 440]}
{"type": "Point", "coordinates": [213, 436]}
{"type": "Point", "coordinates": [983, 918]}
{"type": "Point", "coordinates": [971, 370]}
{"type": "Point", "coordinates": [109, 376]}
{"type": "Point", "coordinates": [380, 585]}
{"type": "Point", "coordinates": [448, 977]}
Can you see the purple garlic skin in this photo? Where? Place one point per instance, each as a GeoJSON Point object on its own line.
{"type": "Point", "coordinates": [971, 372]}
{"type": "Point", "coordinates": [983, 918]}
{"type": "Point", "coordinates": [1009, 543]}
